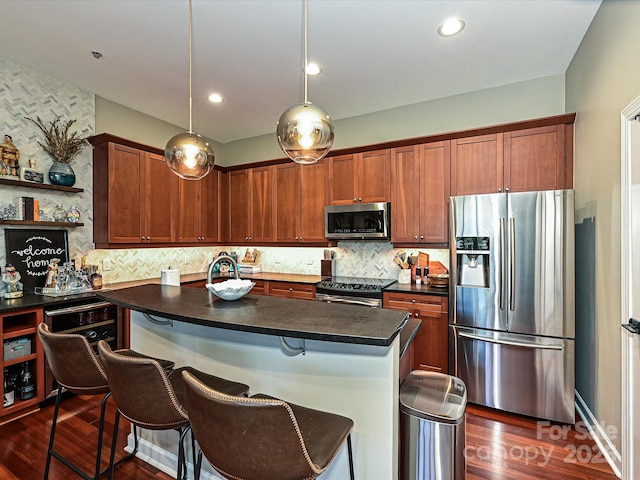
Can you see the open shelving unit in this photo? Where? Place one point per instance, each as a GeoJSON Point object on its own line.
{"type": "Point", "coordinates": [17, 325]}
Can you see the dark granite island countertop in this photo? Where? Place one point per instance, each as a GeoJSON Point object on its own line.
{"type": "Point", "coordinates": [265, 315]}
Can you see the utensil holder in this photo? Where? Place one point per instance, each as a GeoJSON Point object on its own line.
{"type": "Point", "coordinates": [404, 276]}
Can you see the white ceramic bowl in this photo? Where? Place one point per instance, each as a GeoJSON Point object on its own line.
{"type": "Point", "coordinates": [230, 289]}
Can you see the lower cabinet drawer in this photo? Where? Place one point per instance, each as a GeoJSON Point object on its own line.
{"type": "Point", "coordinates": [301, 291]}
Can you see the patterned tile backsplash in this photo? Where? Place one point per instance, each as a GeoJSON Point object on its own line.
{"type": "Point", "coordinates": [352, 259]}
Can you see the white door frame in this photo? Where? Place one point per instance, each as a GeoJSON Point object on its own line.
{"type": "Point", "coordinates": [629, 369]}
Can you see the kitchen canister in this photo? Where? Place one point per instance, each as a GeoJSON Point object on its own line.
{"type": "Point", "coordinates": [170, 276]}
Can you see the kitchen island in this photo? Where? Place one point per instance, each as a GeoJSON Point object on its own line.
{"type": "Point", "coordinates": [349, 365]}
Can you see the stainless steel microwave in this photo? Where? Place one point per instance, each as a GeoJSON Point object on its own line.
{"type": "Point", "coordinates": [359, 221]}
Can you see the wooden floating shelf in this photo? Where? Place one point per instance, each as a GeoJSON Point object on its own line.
{"type": "Point", "coordinates": [41, 224]}
{"type": "Point", "coordinates": [42, 186]}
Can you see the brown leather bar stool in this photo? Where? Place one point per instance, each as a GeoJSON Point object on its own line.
{"type": "Point", "coordinates": [150, 398]}
{"type": "Point", "coordinates": [262, 437]}
{"type": "Point", "coordinates": [77, 369]}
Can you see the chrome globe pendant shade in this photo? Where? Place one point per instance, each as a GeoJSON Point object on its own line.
{"type": "Point", "coordinates": [188, 155]}
{"type": "Point", "coordinates": [305, 131]}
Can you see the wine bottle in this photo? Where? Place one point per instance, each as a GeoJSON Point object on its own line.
{"type": "Point", "coordinates": [9, 396]}
{"type": "Point", "coordinates": [27, 385]}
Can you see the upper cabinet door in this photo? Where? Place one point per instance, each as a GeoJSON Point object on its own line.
{"type": "Point", "coordinates": [536, 159]}
{"type": "Point", "coordinates": [209, 203]}
{"type": "Point", "coordinates": [124, 203]}
{"type": "Point", "coordinates": [288, 187]}
{"type": "Point", "coordinates": [238, 206]}
{"type": "Point", "coordinates": [187, 210]}
{"type": "Point", "coordinates": [435, 165]}
{"type": "Point", "coordinates": [476, 165]}
{"type": "Point", "coordinates": [313, 198]}
{"type": "Point", "coordinates": [159, 187]}
{"type": "Point", "coordinates": [343, 180]}
{"type": "Point", "coordinates": [374, 173]}
{"type": "Point", "coordinates": [405, 194]}
{"type": "Point", "coordinates": [262, 221]}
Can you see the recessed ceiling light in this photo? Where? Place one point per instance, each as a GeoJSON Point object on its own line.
{"type": "Point", "coordinates": [313, 69]}
{"type": "Point", "coordinates": [451, 27]}
{"type": "Point", "coordinates": [215, 98]}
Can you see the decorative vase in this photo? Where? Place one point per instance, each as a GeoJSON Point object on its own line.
{"type": "Point", "coordinates": [62, 174]}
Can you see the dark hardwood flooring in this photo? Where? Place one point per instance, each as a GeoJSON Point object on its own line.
{"type": "Point", "coordinates": [498, 446]}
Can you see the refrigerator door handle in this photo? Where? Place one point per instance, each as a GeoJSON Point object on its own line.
{"type": "Point", "coordinates": [512, 263]}
{"type": "Point", "coordinates": [502, 264]}
{"type": "Point", "coordinates": [543, 346]}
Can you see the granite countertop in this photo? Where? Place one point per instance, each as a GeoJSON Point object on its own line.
{"type": "Point", "coordinates": [265, 315]}
{"type": "Point", "coordinates": [413, 288]}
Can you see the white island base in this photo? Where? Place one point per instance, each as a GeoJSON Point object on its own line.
{"type": "Point", "coordinates": [357, 381]}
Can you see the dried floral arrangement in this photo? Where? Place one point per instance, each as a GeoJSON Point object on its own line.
{"type": "Point", "coordinates": [59, 143]}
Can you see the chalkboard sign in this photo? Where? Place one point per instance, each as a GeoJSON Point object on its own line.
{"type": "Point", "coordinates": [31, 251]}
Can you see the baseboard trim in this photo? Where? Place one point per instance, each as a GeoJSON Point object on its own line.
{"type": "Point", "coordinates": [609, 451]}
{"type": "Point", "coordinates": [165, 461]}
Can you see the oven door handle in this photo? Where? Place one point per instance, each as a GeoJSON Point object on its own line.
{"type": "Point", "coordinates": [349, 301]}
{"type": "Point", "coordinates": [80, 308]}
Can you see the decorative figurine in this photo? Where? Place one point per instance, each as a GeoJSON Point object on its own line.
{"type": "Point", "coordinates": [52, 272]}
{"type": "Point", "coordinates": [32, 173]}
{"type": "Point", "coordinates": [12, 278]}
{"type": "Point", "coordinates": [10, 158]}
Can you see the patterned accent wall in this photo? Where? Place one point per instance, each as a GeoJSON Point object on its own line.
{"type": "Point", "coordinates": [27, 93]}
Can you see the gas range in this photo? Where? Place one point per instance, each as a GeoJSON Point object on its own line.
{"type": "Point", "coordinates": [354, 290]}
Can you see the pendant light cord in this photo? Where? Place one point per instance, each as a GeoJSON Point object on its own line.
{"type": "Point", "coordinates": [190, 66]}
{"type": "Point", "coordinates": [304, 67]}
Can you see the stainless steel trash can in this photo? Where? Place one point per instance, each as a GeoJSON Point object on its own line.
{"type": "Point", "coordinates": [432, 408]}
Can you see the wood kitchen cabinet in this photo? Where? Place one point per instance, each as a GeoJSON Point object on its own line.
{"type": "Point", "coordinates": [301, 195]}
{"type": "Point", "coordinates": [250, 207]}
{"type": "Point", "coordinates": [133, 196]}
{"type": "Point", "coordinates": [420, 179]}
{"type": "Point", "coordinates": [198, 209]}
{"type": "Point", "coordinates": [302, 291]}
{"type": "Point", "coordinates": [477, 164]}
{"type": "Point", "coordinates": [431, 344]}
{"type": "Point", "coordinates": [360, 178]}
{"type": "Point", "coordinates": [539, 158]}
{"type": "Point", "coordinates": [18, 330]}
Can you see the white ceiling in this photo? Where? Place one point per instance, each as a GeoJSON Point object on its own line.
{"type": "Point", "coordinates": [375, 54]}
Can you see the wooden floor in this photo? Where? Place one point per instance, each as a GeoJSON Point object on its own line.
{"type": "Point", "coordinates": [498, 446]}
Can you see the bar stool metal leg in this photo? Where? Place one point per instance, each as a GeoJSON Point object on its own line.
{"type": "Point", "coordinates": [53, 453]}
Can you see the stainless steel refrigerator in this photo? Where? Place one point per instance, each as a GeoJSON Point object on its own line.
{"type": "Point", "coordinates": [512, 327]}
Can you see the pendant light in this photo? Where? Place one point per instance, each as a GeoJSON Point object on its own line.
{"type": "Point", "coordinates": [188, 155]}
{"type": "Point", "coordinates": [305, 131]}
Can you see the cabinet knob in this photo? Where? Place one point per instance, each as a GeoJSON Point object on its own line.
{"type": "Point", "coordinates": [421, 237]}
{"type": "Point", "coordinates": [416, 237]}
{"type": "Point", "coordinates": [246, 238]}
{"type": "Point", "coordinates": [290, 289]}
{"type": "Point", "coordinates": [415, 314]}
{"type": "Point", "coordinates": [355, 199]}
{"type": "Point", "coordinates": [499, 190]}
{"type": "Point", "coordinates": [359, 199]}
{"type": "Point", "coordinates": [413, 300]}
{"type": "Point", "coordinates": [506, 189]}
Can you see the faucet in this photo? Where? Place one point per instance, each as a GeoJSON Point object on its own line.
{"type": "Point", "coordinates": [218, 260]}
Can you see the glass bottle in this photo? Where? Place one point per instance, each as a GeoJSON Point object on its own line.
{"type": "Point", "coordinates": [27, 385]}
{"type": "Point", "coordinates": [9, 396]}
{"type": "Point", "coordinates": [59, 214]}
{"type": "Point", "coordinates": [96, 279]}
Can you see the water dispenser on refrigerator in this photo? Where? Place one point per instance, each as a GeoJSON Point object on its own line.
{"type": "Point", "coordinates": [473, 261]}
